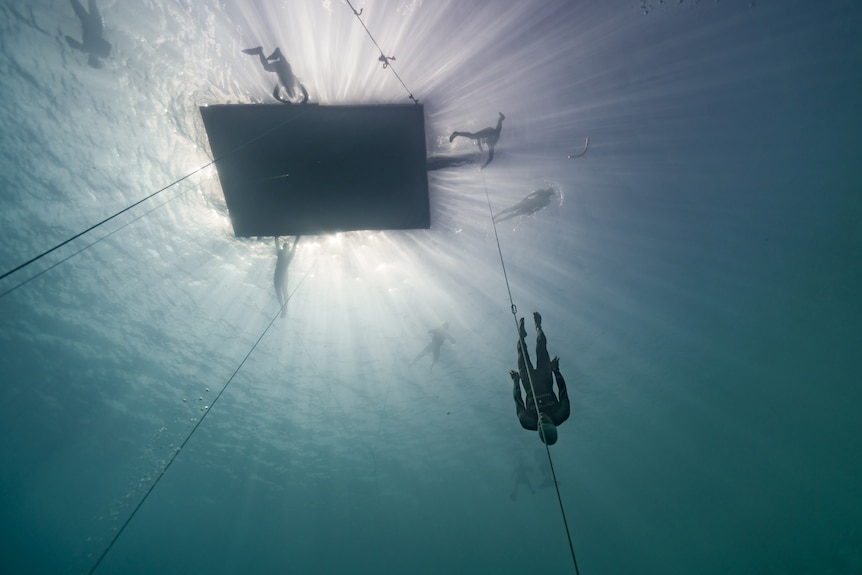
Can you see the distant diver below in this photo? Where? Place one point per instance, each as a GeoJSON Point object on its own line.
{"type": "Point", "coordinates": [277, 64]}
{"type": "Point", "coordinates": [582, 152]}
{"type": "Point", "coordinates": [535, 201]}
{"type": "Point", "coordinates": [92, 42]}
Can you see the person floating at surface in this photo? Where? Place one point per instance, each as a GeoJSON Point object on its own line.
{"type": "Point", "coordinates": [535, 201]}
{"type": "Point", "coordinates": [439, 335]}
{"type": "Point", "coordinates": [489, 136]}
{"type": "Point", "coordinates": [544, 412]}
{"type": "Point", "coordinates": [92, 41]}
{"type": "Point", "coordinates": [275, 62]}
{"type": "Point", "coordinates": [279, 279]}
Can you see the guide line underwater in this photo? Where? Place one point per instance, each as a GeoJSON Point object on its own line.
{"type": "Point", "coordinates": [386, 60]}
{"type": "Point", "coordinates": [206, 412]}
{"type": "Point", "coordinates": [131, 206]}
{"type": "Point", "coordinates": [514, 310]}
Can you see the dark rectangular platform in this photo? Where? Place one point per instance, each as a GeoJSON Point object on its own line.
{"type": "Point", "coordinates": [309, 170]}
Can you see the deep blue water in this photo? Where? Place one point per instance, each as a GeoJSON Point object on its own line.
{"type": "Point", "coordinates": [699, 278]}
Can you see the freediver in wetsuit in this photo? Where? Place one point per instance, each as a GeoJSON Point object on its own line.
{"type": "Point", "coordinates": [276, 63]}
{"type": "Point", "coordinates": [552, 411]}
{"type": "Point", "coordinates": [489, 136]}
{"type": "Point", "coordinates": [92, 42]}
{"type": "Point", "coordinates": [535, 201]}
{"type": "Point", "coordinates": [439, 335]}
{"type": "Point", "coordinates": [284, 257]}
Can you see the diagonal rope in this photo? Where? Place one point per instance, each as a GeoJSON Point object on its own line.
{"type": "Point", "coordinates": [383, 57]}
{"type": "Point", "coordinates": [514, 309]}
{"type": "Point", "coordinates": [177, 451]}
{"type": "Point", "coordinates": [126, 209]}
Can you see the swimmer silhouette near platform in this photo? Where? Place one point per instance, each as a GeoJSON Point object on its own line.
{"type": "Point", "coordinates": [489, 136]}
{"type": "Point", "coordinates": [535, 201]}
{"type": "Point", "coordinates": [92, 42]}
{"type": "Point", "coordinates": [284, 256]}
{"type": "Point", "coordinates": [277, 64]}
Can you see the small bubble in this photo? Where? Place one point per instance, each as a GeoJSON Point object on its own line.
{"type": "Point", "coordinates": [208, 389]}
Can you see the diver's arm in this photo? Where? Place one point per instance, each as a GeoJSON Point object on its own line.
{"type": "Point", "coordinates": [564, 410]}
{"type": "Point", "coordinates": [527, 420]}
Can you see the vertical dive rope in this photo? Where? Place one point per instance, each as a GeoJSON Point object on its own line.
{"type": "Point", "coordinates": [383, 57]}
{"type": "Point", "coordinates": [514, 310]}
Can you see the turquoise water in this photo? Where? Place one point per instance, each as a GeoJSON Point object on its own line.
{"type": "Point", "coordinates": [699, 278]}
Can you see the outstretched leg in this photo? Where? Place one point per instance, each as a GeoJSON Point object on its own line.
{"type": "Point", "coordinates": [490, 155]}
{"type": "Point", "coordinates": [543, 360]}
{"type": "Point", "coordinates": [94, 11]}
{"type": "Point", "coordinates": [263, 60]}
{"type": "Point", "coordinates": [79, 10]}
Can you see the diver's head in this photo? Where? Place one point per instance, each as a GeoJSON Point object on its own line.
{"type": "Point", "coordinates": [547, 430]}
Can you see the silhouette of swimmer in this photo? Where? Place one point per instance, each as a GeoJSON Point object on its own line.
{"type": "Point", "coordinates": [275, 62]}
{"type": "Point", "coordinates": [544, 412]}
{"type": "Point", "coordinates": [92, 41]}
{"type": "Point", "coordinates": [535, 201]}
{"type": "Point", "coordinates": [279, 279]}
{"type": "Point", "coordinates": [521, 478]}
{"type": "Point", "coordinates": [489, 136]}
{"type": "Point", "coordinates": [439, 335]}
{"type": "Point", "coordinates": [442, 162]}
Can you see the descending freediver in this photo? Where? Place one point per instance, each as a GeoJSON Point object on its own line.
{"type": "Point", "coordinates": [545, 411]}
{"type": "Point", "coordinates": [489, 136]}
{"type": "Point", "coordinates": [439, 335]}
{"type": "Point", "coordinates": [276, 63]}
{"type": "Point", "coordinates": [284, 256]}
{"type": "Point", "coordinates": [535, 201]}
{"type": "Point", "coordinates": [92, 42]}
{"type": "Point", "coordinates": [521, 478]}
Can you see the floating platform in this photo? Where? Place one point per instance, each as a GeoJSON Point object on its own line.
{"type": "Point", "coordinates": [310, 170]}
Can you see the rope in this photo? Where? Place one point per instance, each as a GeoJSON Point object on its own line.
{"type": "Point", "coordinates": [383, 58]}
{"type": "Point", "coordinates": [73, 254]}
{"type": "Point", "coordinates": [124, 210]}
{"type": "Point", "coordinates": [195, 428]}
{"type": "Point", "coordinates": [514, 309]}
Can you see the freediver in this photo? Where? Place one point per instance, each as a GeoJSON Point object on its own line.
{"type": "Point", "coordinates": [521, 478]}
{"type": "Point", "coordinates": [92, 42]}
{"type": "Point", "coordinates": [544, 412]}
{"type": "Point", "coordinates": [535, 201]}
{"type": "Point", "coordinates": [439, 335]}
{"type": "Point", "coordinates": [284, 256]}
{"type": "Point", "coordinates": [489, 136]}
{"type": "Point", "coordinates": [276, 63]}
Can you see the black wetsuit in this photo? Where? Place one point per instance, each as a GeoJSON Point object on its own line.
{"type": "Point", "coordinates": [557, 409]}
